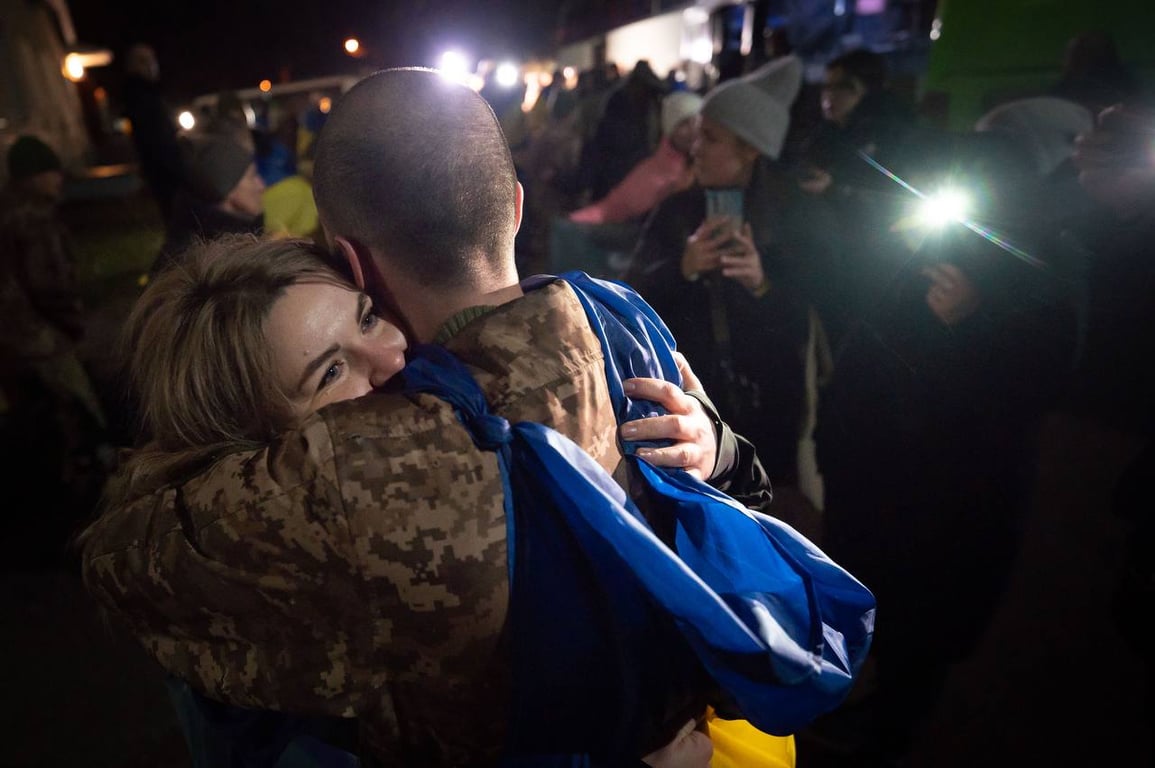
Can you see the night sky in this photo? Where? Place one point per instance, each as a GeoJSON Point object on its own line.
{"type": "Point", "coordinates": [207, 45]}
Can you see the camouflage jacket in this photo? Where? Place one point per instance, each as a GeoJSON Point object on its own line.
{"type": "Point", "coordinates": [357, 566]}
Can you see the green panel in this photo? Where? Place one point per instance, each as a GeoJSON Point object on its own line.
{"type": "Point", "coordinates": [989, 50]}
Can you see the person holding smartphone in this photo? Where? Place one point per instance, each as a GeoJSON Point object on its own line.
{"type": "Point", "coordinates": [729, 263]}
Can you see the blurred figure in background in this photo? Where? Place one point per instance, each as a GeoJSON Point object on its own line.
{"type": "Point", "coordinates": [224, 195]}
{"type": "Point", "coordinates": [600, 237]}
{"type": "Point", "coordinates": [228, 118]}
{"type": "Point", "coordinates": [862, 122]}
{"type": "Point", "coordinates": [289, 210]}
{"type": "Point", "coordinates": [153, 130]}
{"type": "Point", "coordinates": [860, 115]}
{"type": "Point", "coordinates": [655, 178]}
{"type": "Point", "coordinates": [1116, 378]}
{"type": "Point", "coordinates": [52, 423]}
{"type": "Point", "coordinates": [927, 437]}
{"type": "Point", "coordinates": [1093, 74]}
{"type": "Point", "coordinates": [628, 131]}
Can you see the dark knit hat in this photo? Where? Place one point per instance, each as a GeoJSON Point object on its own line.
{"type": "Point", "coordinates": [213, 165]}
{"type": "Point", "coordinates": [757, 107]}
{"type": "Point", "coordinates": [29, 156]}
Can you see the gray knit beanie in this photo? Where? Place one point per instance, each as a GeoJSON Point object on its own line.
{"type": "Point", "coordinates": [213, 165]}
{"type": "Point", "coordinates": [756, 107]}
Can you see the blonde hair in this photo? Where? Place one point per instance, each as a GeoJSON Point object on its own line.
{"type": "Point", "coordinates": [199, 366]}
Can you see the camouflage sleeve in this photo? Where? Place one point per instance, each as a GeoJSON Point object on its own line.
{"type": "Point", "coordinates": [242, 581]}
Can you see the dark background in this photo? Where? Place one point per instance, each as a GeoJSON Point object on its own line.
{"type": "Point", "coordinates": [207, 45]}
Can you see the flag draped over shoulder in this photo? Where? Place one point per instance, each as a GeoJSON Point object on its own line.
{"type": "Point", "coordinates": [778, 628]}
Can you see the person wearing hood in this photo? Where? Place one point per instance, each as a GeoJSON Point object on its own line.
{"type": "Point", "coordinates": [730, 265]}
{"type": "Point", "coordinates": [223, 195]}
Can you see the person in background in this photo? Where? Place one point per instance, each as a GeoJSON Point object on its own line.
{"type": "Point", "coordinates": [628, 130]}
{"type": "Point", "coordinates": [600, 237]}
{"type": "Point", "coordinates": [861, 117]}
{"type": "Point", "coordinates": [656, 177]}
{"type": "Point", "coordinates": [154, 134]}
{"type": "Point", "coordinates": [1093, 73]}
{"type": "Point", "coordinates": [927, 435]}
{"type": "Point", "coordinates": [288, 197]}
{"type": "Point", "coordinates": [228, 118]}
{"type": "Point", "coordinates": [863, 124]}
{"type": "Point", "coordinates": [223, 195]}
{"type": "Point", "coordinates": [52, 422]}
{"type": "Point", "coordinates": [734, 283]}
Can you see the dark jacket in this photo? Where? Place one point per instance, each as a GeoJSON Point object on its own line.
{"type": "Point", "coordinates": [154, 136]}
{"type": "Point", "coordinates": [35, 252]}
{"type": "Point", "coordinates": [756, 376]}
{"type": "Point", "coordinates": [926, 438]}
{"type": "Point", "coordinates": [192, 220]}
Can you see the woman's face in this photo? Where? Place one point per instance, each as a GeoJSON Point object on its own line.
{"type": "Point", "coordinates": [840, 95]}
{"type": "Point", "coordinates": [721, 159]}
{"type": "Point", "coordinates": [327, 345]}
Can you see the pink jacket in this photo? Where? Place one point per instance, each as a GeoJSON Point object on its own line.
{"type": "Point", "coordinates": [648, 183]}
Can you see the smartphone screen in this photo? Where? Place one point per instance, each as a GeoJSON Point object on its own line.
{"type": "Point", "coordinates": [727, 202]}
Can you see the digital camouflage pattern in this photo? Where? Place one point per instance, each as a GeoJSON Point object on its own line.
{"type": "Point", "coordinates": [357, 567]}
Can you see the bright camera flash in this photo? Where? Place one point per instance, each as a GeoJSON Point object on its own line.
{"type": "Point", "coordinates": [943, 207]}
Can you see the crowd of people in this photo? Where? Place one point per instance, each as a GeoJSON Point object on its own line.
{"type": "Point", "coordinates": [864, 364]}
{"type": "Point", "coordinates": [893, 371]}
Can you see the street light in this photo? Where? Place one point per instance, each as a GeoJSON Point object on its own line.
{"type": "Point", "coordinates": [74, 67]}
{"type": "Point", "coordinates": [454, 66]}
{"type": "Point", "coordinates": [507, 74]}
{"type": "Point", "coordinates": [352, 46]}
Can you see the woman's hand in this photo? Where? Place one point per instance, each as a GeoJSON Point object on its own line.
{"type": "Point", "coordinates": [695, 447]}
{"type": "Point", "coordinates": [816, 182]}
{"type": "Point", "coordinates": [742, 263]}
{"type": "Point", "coordinates": [691, 748]}
{"type": "Point", "coordinates": [952, 297]}
{"type": "Point", "coordinates": [704, 248]}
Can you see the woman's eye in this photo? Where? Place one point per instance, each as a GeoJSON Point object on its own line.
{"type": "Point", "coordinates": [330, 375]}
{"type": "Point", "coordinates": [369, 321]}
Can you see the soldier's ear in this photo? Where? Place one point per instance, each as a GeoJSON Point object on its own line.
{"type": "Point", "coordinates": [518, 210]}
{"type": "Point", "coordinates": [351, 254]}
